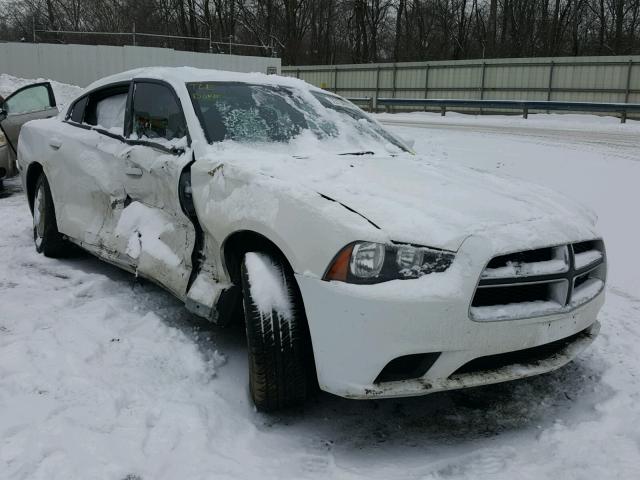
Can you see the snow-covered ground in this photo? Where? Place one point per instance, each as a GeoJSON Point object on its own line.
{"type": "Point", "coordinates": [104, 377]}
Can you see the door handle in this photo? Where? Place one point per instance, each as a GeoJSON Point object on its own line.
{"type": "Point", "coordinates": [55, 144]}
{"type": "Point", "coordinates": [133, 171]}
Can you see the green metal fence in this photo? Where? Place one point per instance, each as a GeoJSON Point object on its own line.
{"type": "Point", "coordinates": [576, 79]}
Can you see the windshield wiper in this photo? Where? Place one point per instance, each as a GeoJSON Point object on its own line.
{"type": "Point", "coordinates": [364, 152]}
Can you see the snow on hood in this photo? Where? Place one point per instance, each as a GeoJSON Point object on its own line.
{"type": "Point", "coordinates": [415, 200]}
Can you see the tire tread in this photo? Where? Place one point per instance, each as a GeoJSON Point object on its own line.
{"type": "Point", "coordinates": [278, 351]}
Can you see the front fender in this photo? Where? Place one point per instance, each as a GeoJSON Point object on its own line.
{"type": "Point", "coordinates": [307, 227]}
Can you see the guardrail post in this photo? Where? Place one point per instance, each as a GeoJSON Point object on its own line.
{"type": "Point", "coordinates": [443, 110]}
{"type": "Point", "coordinates": [484, 69]}
{"type": "Point", "coordinates": [525, 112]}
{"type": "Point", "coordinates": [550, 87]}
{"type": "Point", "coordinates": [426, 84]}
{"type": "Point", "coordinates": [298, 73]}
{"type": "Point", "coordinates": [335, 80]}
{"type": "Point", "coordinates": [628, 89]}
{"type": "Point", "coordinates": [395, 74]}
{"type": "Point", "coordinates": [623, 117]}
{"type": "Point", "coordinates": [393, 87]}
{"type": "Point", "coordinates": [375, 99]}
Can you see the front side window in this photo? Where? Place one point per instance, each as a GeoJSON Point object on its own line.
{"type": "Point", "coordinates": [105, 109]}
{"type": "Point", "coordinates": [33, 99]}
{"type": "Point", "coordinates": [156, 113]}
{"type": "Point", "coordinates": [263, 114]}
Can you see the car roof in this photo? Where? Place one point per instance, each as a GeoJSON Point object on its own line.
{"type": "Point", "coordinates": [177, 76]}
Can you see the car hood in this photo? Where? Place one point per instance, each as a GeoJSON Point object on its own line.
{"type": "Point", "coordinates": [416, 200]}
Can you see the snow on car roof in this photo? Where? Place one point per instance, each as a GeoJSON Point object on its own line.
{"type": "Point", "coordinates": [180, 75]}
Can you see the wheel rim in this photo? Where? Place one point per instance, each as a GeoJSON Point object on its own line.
{"type": "Point", "coordinates": [38, 214]}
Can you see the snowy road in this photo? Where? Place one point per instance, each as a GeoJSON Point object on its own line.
{"type": "Point", "coordinates": [102, 377]}
{"type": "Point", "coordinates": [620, 144]}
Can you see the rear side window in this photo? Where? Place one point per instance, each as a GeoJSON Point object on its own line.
{"type": "Point", "coordinates": [110, 112]}
{"type": "Point", "coordinates": [106, 109]}
{"type": "Point", "coordinates": [156, 113]}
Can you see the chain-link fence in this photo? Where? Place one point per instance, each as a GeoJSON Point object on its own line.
{"type": "Point", "coordinates": [140, 39]}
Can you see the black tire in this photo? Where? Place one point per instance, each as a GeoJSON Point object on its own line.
{"type": "Point", "coordinates": [46, 237]}
{"type": "Point", "coordinates": [280, 359]}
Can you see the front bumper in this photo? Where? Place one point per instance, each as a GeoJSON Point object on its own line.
{"type": "Point", "coordinates": [356, 330]}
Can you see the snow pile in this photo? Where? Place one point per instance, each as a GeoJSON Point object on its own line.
{"type": "Point", "coordinates": [265, 281]}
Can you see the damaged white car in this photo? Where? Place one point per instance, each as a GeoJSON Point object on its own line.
{"type": "Point", "coordinates": [361, 266]}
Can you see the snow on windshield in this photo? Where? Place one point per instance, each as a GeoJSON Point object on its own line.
{"type": "Point", "coordinates": [264, 114]}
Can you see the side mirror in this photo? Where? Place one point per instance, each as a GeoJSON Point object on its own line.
{"type": "Point", "coordinates": [408, 141]}
{"type": "Point", "coordinates": [3, 114]}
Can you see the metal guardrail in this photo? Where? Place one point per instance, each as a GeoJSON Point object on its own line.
{"type": "Point", "coordinates": [366, 102]}
{"type": "Point", "coordinates": [524, 105]}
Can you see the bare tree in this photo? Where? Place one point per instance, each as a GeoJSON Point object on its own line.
{"type": "Point", "coordinates": [338, 31]}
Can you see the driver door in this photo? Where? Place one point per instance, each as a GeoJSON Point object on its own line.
{"type": "Point", "coordinates": [152, 230]}
{"type": "Point", "coordinates": [32, 102]}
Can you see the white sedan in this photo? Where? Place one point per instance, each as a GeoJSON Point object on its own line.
{"type": "Point", "coordinates": [360, 266]}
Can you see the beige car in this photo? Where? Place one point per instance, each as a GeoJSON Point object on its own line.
{"type": "Point", "coordinates": [27, 103]}
{"type": "Point", "coordinates": [4, 158]}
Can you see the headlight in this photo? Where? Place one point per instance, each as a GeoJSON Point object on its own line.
{"type": "Point", "coordinates": [369, 262]}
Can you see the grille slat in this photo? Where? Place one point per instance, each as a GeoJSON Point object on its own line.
{"type": "Point", "coordinates": [539, 282]}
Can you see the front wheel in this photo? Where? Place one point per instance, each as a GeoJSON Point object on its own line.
{"type": "Point", "coordinates": [277, 334]}
{"type": "Point", "coordinates": [45, 229]}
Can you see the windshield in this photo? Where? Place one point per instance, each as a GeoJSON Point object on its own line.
{"type": "Point", "coordinates": [262, 114]}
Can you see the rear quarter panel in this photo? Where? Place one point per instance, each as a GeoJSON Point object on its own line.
{"type": "Point", "coordinates": [33, 145]}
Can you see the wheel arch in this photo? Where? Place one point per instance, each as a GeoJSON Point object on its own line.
{"type": "Point", "coordinates": [236, 244]}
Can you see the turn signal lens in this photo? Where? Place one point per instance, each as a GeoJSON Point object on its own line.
{"type": "Point", "coordinates": [340, 267]}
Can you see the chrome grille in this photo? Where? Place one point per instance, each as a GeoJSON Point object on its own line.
{"type": "Point", "coordinates": [540, 282]}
